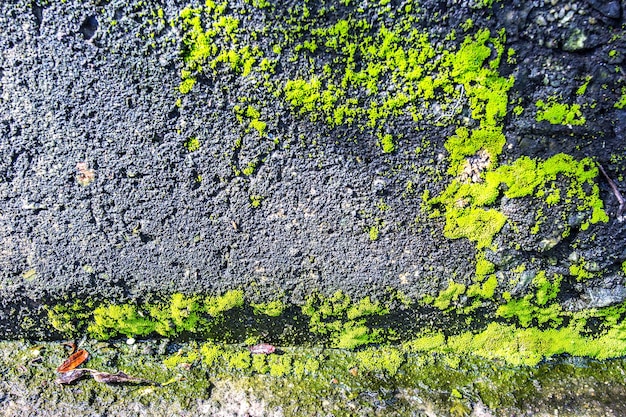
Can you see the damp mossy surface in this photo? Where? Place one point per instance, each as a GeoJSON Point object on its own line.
{"type": "Point", "coordinates": [473, 338]}
{"type": "Point", "coordinates": [395, 381]}
{"type": "Point", "coordinates": [521, 331]}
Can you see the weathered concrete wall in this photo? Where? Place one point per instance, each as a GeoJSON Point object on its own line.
{"type": "Point", "coordinates": [415, 185]}
{"type": "Point", "coordinates": [106, 195]}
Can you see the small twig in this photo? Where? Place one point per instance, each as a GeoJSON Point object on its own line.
{"type": "Point", "coordinates": [618, 195]}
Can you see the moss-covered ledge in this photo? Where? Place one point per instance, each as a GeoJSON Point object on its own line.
{"type": "Point", "coordinates": [208, 378]}
{"type": "Point", "coordinates": [516, 331]}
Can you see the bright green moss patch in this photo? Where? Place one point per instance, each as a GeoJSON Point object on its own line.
{"type": "Point", "coordinates": [186, 85]}
{"type": "Point", "coordinates": [192, 144]}
{"type": "Point", "coordinates": [521, 177]}
{"type": "Point", "coordinates": [484, 290]}
{"type": "Point", "coordinates": [466, 203]}
{"type": "Point", "coordinates": [387, 144]}
{"type": "Point", "coordinates": [354, 334]}
{"type": "Point", "coordinates": [475, 224]}
{"type": "Point", "coordinates": [210, 352]}
{"type": "Point", "coordinates": [385, 359]}
{"type": "Point", "coordinates": [181, 358]}
{"type": "Point", "coordinates": [273, 308]}
{"type": "Point", "coordinates": [449, 295]}
{"type": "Point", "coordinates": [238, 360]}
{"type": "Point", "coordinates": [373, 233]}
{"type": "Point", "coordinates": [524, 330]}
{"type": "Point", "coordinates": [180, 315]}
{"type": "Point", "coordinates": [341, 322]}
{"type": "Point", "coordinates": [109, 321]}
{"type": "Point", "coordinates": [483, 266]}
{"type": "Point", "coordinates": [409, 60]}
{"type": "Point", "coordinates": [525, 312]}
{"type": "Point", "coordinates": [535, 308]}
{"type": "Point", "coordinates": [365, 307]}
{"type": "Point", "coordinates": [465, 143]}
{"type": "Point", "coordinates": [580, 271]}
{"type": "Point", "coordinates": [210, 42]}
{"type": "Point", "coordinates": [559, 113]}
{"type": "Point", "coordinates": [354, 72]}
{"type": "Point", "coordinates": [279, 365]}
{"type": "Point", "coordinates": [220, 304]}
{"type": "Point", "coordinates": [251, 115]}
{"type": "Point", "coordinates": [583, 88]}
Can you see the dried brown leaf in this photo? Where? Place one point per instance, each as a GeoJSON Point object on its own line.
{"type": "Point", "coordinates": [75, 360]}
{"type": "Point", "coordinates": [71, 376]}
{"type": "Point", "coordinates": [118, 378]}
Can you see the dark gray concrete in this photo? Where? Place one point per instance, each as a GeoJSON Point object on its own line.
{"type": "Point", "coordinates": [75, 89]}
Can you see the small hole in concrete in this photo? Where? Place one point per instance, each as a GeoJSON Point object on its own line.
{"type": "Point", "coordinates": [89, 27]}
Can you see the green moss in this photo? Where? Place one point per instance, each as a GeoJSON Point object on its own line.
{"type": "Point", "coordinates": [483, 266]}
{"type": "Point", "coordinates": [255, 200]}
{"type": "Point", "coordinates": [387, 144]}
{"type": "Point", "coordinates": [365, 307]}
{"type": "Point", "coordinates": [182, 314]}
{"type": "Point", "coordinates": [521, 177]}
{"type": "Point", "coordinates": [192, 144]}
{"type": "Point", "coordinates": [352, 335]}
{"type": "Point", "coordinates": [624, 267]}
{"type": "Point", "coordinates": [373, 233]}
{"type": "Point", "coordinates": [530, 346]}
{"type": "Point", "coordinates": [426, 343]}
{"type": "Point", "coordinates": [580, 272]}
{"type": "Point", "coordinates": [210, 352]}
{"type": "Point", "coordinates": [449, 295]}
{"type": "Point", "coordinates": [249, 169]}
{"type": "Point", "coordinates": [111, 320]}
{"type": "Point", "coordinates": [535, 307]}
{"type": "Point", "coordinates": [69, 319]}
{"type": "Point", "coordinates": [583, 88]}
{"type": "Point", "coordinates": [217, 305]}
{"type": "Point", "coordinates": [343, 322]}
{"type": "Point", "coordinates": [239, 360]}
{"type": "Point", "coordinates": [181, 358]}
{"type": "Point", "coordinates": [186, 85]}
{"type": "Point", "coordinates": [485, 290]}
{"type": "Point", "coordinates": [383, 359]}
{"type": "Point", "coordinates": [559, 113]}
{"type": "Point", "coordinates": [259, 126]}
{"type": "Point", "coordinates": [279, 365]}
{"type": "Point", "coordinates": [525, 312]}
{"type": "Point", "coordinates": [463, 201]}
{"type": "Point", "coordinates": [259, 364]}
{"type": "Point", "coordinates": [465, 143]}
{"type": "Point", "coordinates": [344, 325]}
{"type": "Point", "coordinates": [272, 309]}
{"type": "Point", "coordinates": [475, 224]}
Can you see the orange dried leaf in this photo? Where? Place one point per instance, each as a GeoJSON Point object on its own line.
{"type": "Point", "coordinates": [76, 359]}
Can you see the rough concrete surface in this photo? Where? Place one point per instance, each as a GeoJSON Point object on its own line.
{"type": "Point", "coordinates": [105, 196]}
{"type": "Point", "coordinates": [77, 89]}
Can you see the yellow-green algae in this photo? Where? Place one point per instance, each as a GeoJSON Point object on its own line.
{"type": "Point", "coordinates": [394, 380]}
{"type": "Point", "coordinates": [559, 113]}
{"type": "Point", "coordinates": [347, 59]}
{"type": "Point", "coordinates": [339, 322]}
{"type": "Point", "coordinates": [426, 77]}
